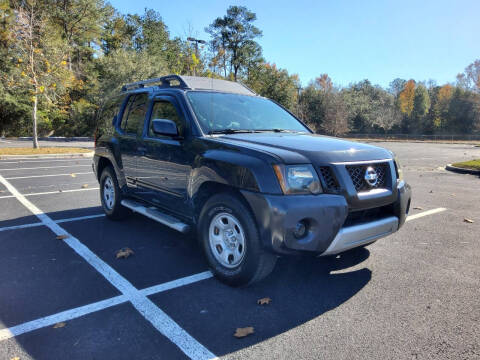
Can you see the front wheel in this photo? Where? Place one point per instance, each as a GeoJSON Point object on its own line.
{"type": "Point", "coordinates": [111, 195]}
{"type": "Point", "coordinates": [231, 242]}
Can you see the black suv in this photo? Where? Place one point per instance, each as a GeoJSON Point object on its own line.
{"type": "Point", "coordinates": [247, 175]}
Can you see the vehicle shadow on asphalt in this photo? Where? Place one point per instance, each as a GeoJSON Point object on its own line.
{"type": "Point", "coordinates": [301, 289]}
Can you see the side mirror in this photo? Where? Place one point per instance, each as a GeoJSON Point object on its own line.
{"type": "Point", "coordinates": [164, 127]}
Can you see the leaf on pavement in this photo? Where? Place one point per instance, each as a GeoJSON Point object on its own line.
{"type": "Point", "coordinates": [15, 358]}
{"type": "Point", "coordinates": [242, 332]}
{"type": "Point", "coordinates": [61, 237]}
{"type": "Point", "coordinates": [124, 253]}
{"type": "Point", "coordinates": [84, 186]}
{"type": "Point", "coordinates": [417, 208]}
{"type": "Point", "coordinates": [73, 175]}
{"type": "Point", "coordinates": [59, 325]}
{"type": "Point", "coordinates": [264, 301]}
{"type": "Point", "coordinates": [470, 221]}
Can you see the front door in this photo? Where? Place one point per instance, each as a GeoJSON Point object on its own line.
{"type": "Point", "coordinates": [131, 127]}
{"type": "Point", "coordinates": [162, 172]}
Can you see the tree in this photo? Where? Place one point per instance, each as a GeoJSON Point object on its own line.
{"type": "Point", "coordinates": [406, 98]}
{"type": "Point", "coordinates": [396, 86]}
{"type": "Point", "coordinates": [234, 35]}
{"type": "Point", "coordinates": [470, 78]}
{"type": "Point", "coordinates": [370, 108]}
{"type": "Point", "coordinates": [421, 106]}
{"type": "Point", "coordinates": [464, 112]}
{"type": "Point", "coordinates": [41, 55]}
{"type": "Point", "coordinates": [269, 81]}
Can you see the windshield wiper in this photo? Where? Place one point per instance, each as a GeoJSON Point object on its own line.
{"type": "Point", "coordinates": [229, 131]}
{"type": "Point", "coordinates": [276, 130]}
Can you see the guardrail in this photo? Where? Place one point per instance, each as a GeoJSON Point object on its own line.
{"type": "Point", "coordinates": [414, 137]}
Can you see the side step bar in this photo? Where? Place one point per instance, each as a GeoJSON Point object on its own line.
{"type": "Point", "coordinates": [156, 215]}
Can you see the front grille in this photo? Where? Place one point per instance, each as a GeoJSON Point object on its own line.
{"type": "Point", "coordinates": [329, 179]}
{"type": "Point", "coordinates": [357, 173]}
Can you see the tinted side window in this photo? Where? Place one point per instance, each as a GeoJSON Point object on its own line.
{"type": "Point", "coordinates": [134, 114]}
{"type": "Point", "coordinates": [106, 114]}
{"type": "Point", "coordinates": [165, 110]}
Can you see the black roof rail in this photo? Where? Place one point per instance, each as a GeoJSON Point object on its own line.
{"type": "Point", "coordinates": [164, 81]}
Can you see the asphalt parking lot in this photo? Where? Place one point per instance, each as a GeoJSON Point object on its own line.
{"type": "Point", "coordinates": [413, 295]}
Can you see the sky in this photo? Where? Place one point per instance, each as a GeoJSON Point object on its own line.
{"type": "Point", "coordinates": [347, 39]}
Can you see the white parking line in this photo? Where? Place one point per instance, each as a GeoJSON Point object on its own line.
{"type": "Point", "coordinates": [48, 175]}
{"type": "Point", "coordinates": [24, 226]}
{"type": "Point", "coordinates": [97, 306]}
{"type": "Point", "coordinates": [41, 160]}
{"type": "Point", "coordinates": [425, 213]}
{"type": "Point", "coordinates": [60, 317]}
{"type": "Point", "coordinates": [47, 167]}
{"type": "Point", "coordinates": [159, 319]}
{"type": "Point", "coordinates": [51, 192]}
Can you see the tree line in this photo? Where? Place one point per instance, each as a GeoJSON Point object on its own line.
{"type": "Point", "coordinates": [61, 59]}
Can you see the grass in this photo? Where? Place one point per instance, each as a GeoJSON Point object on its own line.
{"type": "Point", "coordinates": [472, 164]}
{"type": "Point", "coordinates": [43, 150]}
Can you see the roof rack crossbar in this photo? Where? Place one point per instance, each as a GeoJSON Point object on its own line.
{"type": "Point", "coordinates": [165, 81]}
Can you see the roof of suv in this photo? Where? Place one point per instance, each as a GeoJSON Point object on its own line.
{"type": "Point", "coordinates": [192, 83]}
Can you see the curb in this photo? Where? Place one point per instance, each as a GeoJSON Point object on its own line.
{"type": "Point", "coordinates": [48, 156]}
{"type": "Point", "coordinates": [450, 167]}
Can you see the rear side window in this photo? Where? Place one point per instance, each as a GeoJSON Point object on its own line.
{"type": "Point", "coordinates": [105, 117]}
{"type": "Point", "coordinates": [134, 114]}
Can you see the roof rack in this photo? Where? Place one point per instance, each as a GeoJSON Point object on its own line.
{"type": "Point", "coordinates": [193, 83]}
{"type": "Point", "coordinates": [164, 81]}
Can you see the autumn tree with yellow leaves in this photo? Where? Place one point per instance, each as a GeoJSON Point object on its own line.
{"type": "Point", "coordinates": [40, 55]}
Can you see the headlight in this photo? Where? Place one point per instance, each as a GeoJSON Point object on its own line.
{"type": "Point", "coordinates": [398, 169]}
{"type": "Point", "coordinates": [298, 179]}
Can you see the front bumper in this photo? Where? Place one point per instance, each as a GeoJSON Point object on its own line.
{"type": "Point", "coordinates": [278, 215]}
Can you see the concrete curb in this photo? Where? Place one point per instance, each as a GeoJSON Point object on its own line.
{"type": "Point", "coordinates": [49, 156]}
{"type": "Point", "coordinates": [450, 167]}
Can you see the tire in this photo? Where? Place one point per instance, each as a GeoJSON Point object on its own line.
{"type": "Point", "coordinates": [230, 240]}
{"type": "Point", "coordinates": [111, 195]}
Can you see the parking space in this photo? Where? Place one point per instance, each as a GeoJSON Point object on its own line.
{"type": "Point", "coordinates": [411, 295]}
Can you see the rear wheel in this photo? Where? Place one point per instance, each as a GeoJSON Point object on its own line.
{"type": "Point", "coordinates": [231, 242]}
{"type": "Point", "coordinates": [111, 195]}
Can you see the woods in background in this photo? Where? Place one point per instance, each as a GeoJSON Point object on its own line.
{"type": "Point", "coordinates": [60, 59]}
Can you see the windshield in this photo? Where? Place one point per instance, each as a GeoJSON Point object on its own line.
{"type": "Point", "coordinates": [220, 112]}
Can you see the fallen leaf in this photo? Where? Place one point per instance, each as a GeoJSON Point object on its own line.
{"type": "Point", "coordinates": [15, 358]}
{"type": "Point", "coordinates": [61, 237]}
{"type": "Point", "coordinates": [417, 208]}
{"type": "Point", "coordinates": [470, 221]}
{"type": "Point", "coordinates": [242, 332]}
{"type": "Point", "coordinates": [60, 190]}
{"type": "Point", "coordinates": [59, 325]}
{"type": "Point", "coordinates": [73, 175]}
{"type": "Point", "coordinates": [84, 186]}
{"type": "Point", "coordinates": [264, 301]}
{"type": "Point", "coordinates": [124, 253]}
{"type": "Point", "coordinates": [431, 191]}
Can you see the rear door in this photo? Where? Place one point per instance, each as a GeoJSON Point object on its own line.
{"type": "Point", "coordinates": [131, 127]}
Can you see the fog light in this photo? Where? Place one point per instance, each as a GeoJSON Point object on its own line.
{"type": "Point", "coordinates": [300, 229]}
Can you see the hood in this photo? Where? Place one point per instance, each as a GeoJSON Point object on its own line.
{"type": "Point", "coordinates": [317, 149]}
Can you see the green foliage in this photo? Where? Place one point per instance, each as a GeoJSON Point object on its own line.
{"type": "Point", "coordinates": [83, 51]}
{"type": "Point", "coordinates": [269, 81]}
{"type": "Point", "coordinates": [234, 37]}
